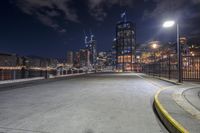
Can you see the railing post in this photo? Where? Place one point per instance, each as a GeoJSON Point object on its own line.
{"type": "Point", "coordinates": [159, 66]}
{"type": "Point", "coordinates": [169, 67]}
{"type": "Point", "coordinates": [181, 68]}
{"type": "Point", "coordinates": [14, 74]}
{"type": "Point", "coordinates": [46, 74]}
{"type": "Point", "coordinates": [149, 69]}
{"type": "Point", "coordinates": [2, 75]}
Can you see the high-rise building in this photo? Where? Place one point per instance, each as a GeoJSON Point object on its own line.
{"type": "Point", "coordinates": [8, 59]}
{"type": "Point", "coordinates": [70, 58]}
{"type": "Point", "coordinates": [114, 54]}
{"type": "Point", "coordinates": [104, 61]}
{"type": "Point", "coordinates": [91, 47]}
{"type": "Point", "coordinates": [84, 58]}
{"type": "Point", "coordinates": [101, 61]}
{"type": "Point", "coordinates": [109, 58]}
{"type": "Point", "coordinates": [77, 59]}
{"type": "Point", "coordinates": [194, 45]}
{"type": "Point", "coordinates": [125, 45]}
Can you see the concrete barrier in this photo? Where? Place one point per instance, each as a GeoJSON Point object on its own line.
{"type": "Point", "coordinates": [12, 84]}
{"type": "Point", "coordinates": [20, 80]}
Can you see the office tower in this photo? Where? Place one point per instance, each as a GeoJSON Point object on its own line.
{"type": "Point", "coordinates": [125, 45]}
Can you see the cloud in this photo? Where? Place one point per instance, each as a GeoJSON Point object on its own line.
{"type": "Point", "coordinates": [46, 20]}
{"type": "Point", "coordinates": [47, 11]}
{"type": "Point", "coordinates": [62, 30]}
{"type": "Point", "coordinates": [97, 8]}
{"type": "Point", "coordinates": [165, 8]}
{"type": "Point", "coordinates": [169, 8]}
{"type": "Point", "coordinates": [184, 11]}
{"type": "Point", "coordinates": [50, 11]}
{"type": "Point", "coordinates": [98, 13]}
{"type": "Point", "coordinates": [196, 1]}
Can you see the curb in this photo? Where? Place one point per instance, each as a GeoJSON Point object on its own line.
{"type": "Point", "coordinates": [171, 124]}
{"type": "Point", "coordinates": [168, 80]}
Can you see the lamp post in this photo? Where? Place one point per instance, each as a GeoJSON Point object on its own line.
{"type": "Point", "coordinates": [168, 24]}
{"type": "Point", "coordinates": [154, 47]}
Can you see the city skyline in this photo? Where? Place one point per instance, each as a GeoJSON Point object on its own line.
{"type": "Point", "coordinates": [100, 66]}
{"type": "Point", "coordinates": [51, 28]}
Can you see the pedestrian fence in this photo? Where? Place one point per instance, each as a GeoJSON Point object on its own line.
{"type": "Point", "coordinates": [168, 67]}
{"type": "Point", "coordinates": [191, 68]}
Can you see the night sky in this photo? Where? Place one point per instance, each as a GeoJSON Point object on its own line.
{"type": "Point", "coordinates": [49, 28]}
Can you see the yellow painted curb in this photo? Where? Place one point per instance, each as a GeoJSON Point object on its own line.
{"type": "Point", "coordinates": [173, 122]}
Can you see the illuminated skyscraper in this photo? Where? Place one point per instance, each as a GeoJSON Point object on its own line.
{"type": "Point", "coordinates": [70, 58]}
{"type": "Point", "coordinates": [114, 54]}
{"type": "Point", "coordinates": [77, 59]}
{"type": "Point", "coordinates": [84, 58]}
{"type": "Point", "coordinates": [125, 45]}
{"type": "Point", "coordinates": [91, 47]}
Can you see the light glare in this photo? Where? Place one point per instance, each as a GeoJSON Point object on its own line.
{"type": "Point", "coordinates": [154, 46]}
{"type": "Point", "coordinates": [168, 24]}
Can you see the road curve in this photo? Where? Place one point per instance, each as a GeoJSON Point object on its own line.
{"type": "Point", "coordinates": [95, 103]}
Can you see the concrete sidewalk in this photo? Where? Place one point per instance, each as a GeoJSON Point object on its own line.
{"type": "Point", "coordinates": [179, 107]}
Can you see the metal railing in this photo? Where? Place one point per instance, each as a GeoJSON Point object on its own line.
{"type": "Point", "coordinates": [191, 68]}
{"type": "Point", "coordinates": [168, 67]}
{"type": "Point", "coordinates": [162, 67]}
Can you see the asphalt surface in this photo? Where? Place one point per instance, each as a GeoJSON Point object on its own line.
{"type": "Point", "coordinates": [96, 103]}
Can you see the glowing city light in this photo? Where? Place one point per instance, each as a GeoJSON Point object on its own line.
{"type": "Point", "coordinates": [169, 23]}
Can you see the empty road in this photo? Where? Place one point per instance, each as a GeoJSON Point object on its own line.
{"type": "Point", "coordinates": [95, 103]}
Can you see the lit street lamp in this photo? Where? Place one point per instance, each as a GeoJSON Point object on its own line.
{"type": "Point", "coordinates": [154, 46]}
{"type": "Point", "coordinates": [168, 24]}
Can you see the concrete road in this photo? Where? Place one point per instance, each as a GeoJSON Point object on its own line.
{"type": "Point", "coordinates": [96, 103]}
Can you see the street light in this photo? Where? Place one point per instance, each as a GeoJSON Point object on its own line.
{"type": "Point", "coordinates": [154, 45]}
{"type": "Point", "coordinates": [168, 24]}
